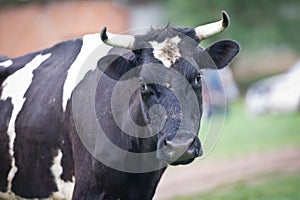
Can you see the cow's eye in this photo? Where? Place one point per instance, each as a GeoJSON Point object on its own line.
{"type": "Point", "coordinates": [143, 86]}
{"type": "Point", "coordinates": [198, 79]}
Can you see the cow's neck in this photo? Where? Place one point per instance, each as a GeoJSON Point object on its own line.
{"type": "Point", "coordinates": [143, 186]}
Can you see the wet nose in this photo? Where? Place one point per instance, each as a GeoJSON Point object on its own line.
{"type": "Point", "coordinates": [185, 146]}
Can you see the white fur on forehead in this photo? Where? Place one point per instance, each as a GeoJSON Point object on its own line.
{"type": "Point", "coordinates": [167, 51]}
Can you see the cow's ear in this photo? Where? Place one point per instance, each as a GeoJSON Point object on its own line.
{"type": "Point", "coordinates": [223, 52]}
{"type": "Point", "coordinates": [116, 66]}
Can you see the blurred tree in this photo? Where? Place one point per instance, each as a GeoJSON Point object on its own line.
{"type": "Point", "coordinates": [255, 24]}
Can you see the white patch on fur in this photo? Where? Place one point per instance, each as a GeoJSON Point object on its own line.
{"type": "Point", "coordinates": [77, 71]}
{"type": "Point", "coordinates": [12, 196]}
{"type": "Point", "coordinates": [167, 51]}
{"type": "Point", "coordinates": [15, 86]}
{"type": "Point", "coordinates": [65, 189]}
{"type": "Point", "coordinates": [9, 195]}
{"type": "Point", "coordinates": [6, 63]}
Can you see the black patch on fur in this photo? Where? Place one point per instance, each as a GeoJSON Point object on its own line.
{"type": "Point", "coordinates": [66, 147]}
{"type": "Point", "coordinates": [160, 34]}
{"type": "Point", "coordinates": [115, 66]}
{"type": "Point", "coordinates": [6, 108]}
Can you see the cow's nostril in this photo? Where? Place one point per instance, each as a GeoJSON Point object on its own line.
{"type": "Point", "coordinates": [165, 142]}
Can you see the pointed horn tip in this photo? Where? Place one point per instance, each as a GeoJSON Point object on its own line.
{"type": "Point", "coordinates": [225, 19]}
{"type": "Point", "coordinates": [103, 34]}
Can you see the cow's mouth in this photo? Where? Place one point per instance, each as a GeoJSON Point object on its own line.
{"type": "Point", "coordinates": [184, 159]}
{"type": "Point", "coordinates": [182, 162]}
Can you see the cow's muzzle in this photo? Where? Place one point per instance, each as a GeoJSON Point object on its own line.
{"type": "Point", "coordinates": [181, 149]}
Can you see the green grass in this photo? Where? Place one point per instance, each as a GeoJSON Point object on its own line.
{"type": "Point", "coordinates": [243, 134]}
{"type": "Point", "coordinates": [273, 189]}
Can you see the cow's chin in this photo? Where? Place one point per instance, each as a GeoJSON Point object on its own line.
{"type": "Point", "coordinates": [182, 162]}
{"type": "Point", "coordinates": [179, 161]}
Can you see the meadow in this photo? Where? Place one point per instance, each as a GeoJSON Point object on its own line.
{"type": "Point", "coordinates": [286, 188]}
{"type": "Point", "coordinates": [244, 134]}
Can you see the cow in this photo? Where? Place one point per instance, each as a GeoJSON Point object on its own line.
{"type": "Point", "coordinates": [45, 115]}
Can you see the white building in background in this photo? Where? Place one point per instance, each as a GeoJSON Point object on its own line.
{"type": "Point", "coordinates": [276, 94]}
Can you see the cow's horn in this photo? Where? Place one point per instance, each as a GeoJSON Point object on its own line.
{"type": "Point", "coordinates": [122, 41]}
{"type": "Point", "coordinates": [211, 29]}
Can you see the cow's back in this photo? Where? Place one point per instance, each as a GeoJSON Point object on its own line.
{"type": "Point", "coordinates": [31, 116]}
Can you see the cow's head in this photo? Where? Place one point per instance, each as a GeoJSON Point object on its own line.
{"type": "Point", "coordinates": [168, 63]}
